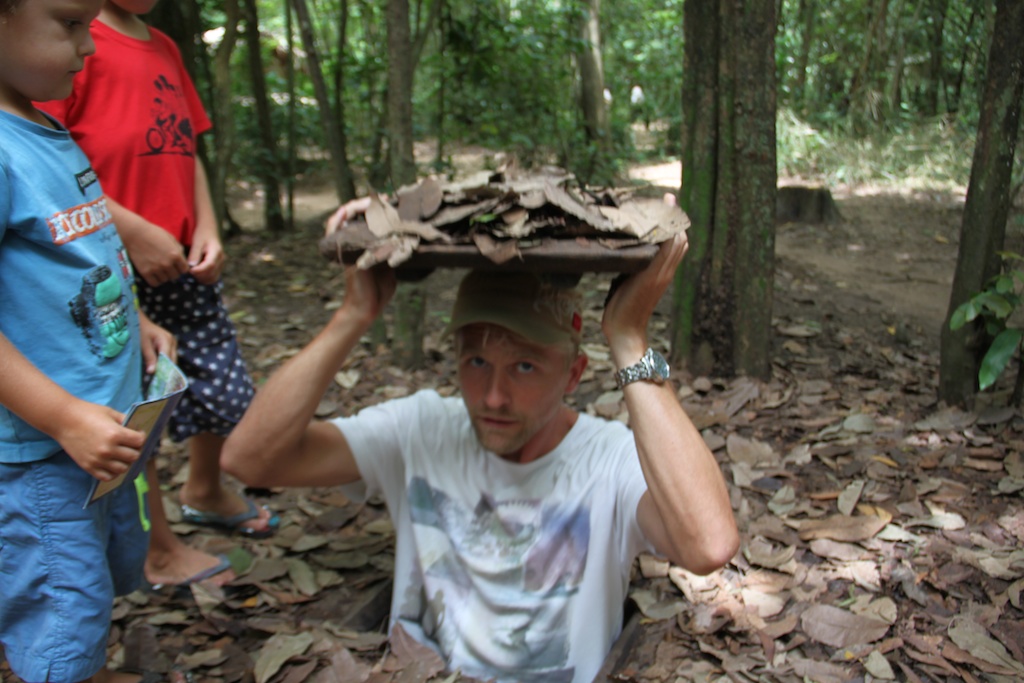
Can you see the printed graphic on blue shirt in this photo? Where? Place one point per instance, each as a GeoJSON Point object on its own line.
{"type": "Point", "coordinates": [508, 564]}
{"type": "Point", "coordinates": [171, 131]}
{"type": "Point", "coordinates": [100, 309]}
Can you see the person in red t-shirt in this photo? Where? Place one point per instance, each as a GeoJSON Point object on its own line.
{"type": "Point", "coordinates": [136, 113]}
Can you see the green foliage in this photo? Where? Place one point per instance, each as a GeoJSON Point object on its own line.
{"type": "Point", "coordinates": [931, 154]}
{"type": "Point", "coordinates": [503, 75]}
{"type": "Point", "coordinates": [507, 78]}
{"type": "Point", "coordinates": [993, 307]}
{"type": "Point", "coordinates": [926, 59]}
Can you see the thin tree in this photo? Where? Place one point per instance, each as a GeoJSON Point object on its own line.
{"type": "Point", "coordinates": [410, 303]}
{"type": "Point", "coordinates": [342, 173]}
{"type": "Point", "coordinates": [268, 169]}
{"type": "Point", "coordinates": [937, 25]}
{"type": "Point", "coordinates": [722, 302]}
{"type": "Point", "coordinates": [861, 95]}
{"type": "Point", "coordinates": [399, 102]}
{"type": "Point", "coordinates": [290, 150]}
{"type": "Point", "coordinates": [953, 98]}
{"type": "Point", "coordinates": [983, 230]}
{"type": "Point", "coordinates": [807, 16]}
{"type": "Point", "coordinates": [220, 110]}
{"type": "Point", "coordinates": [592, 102]}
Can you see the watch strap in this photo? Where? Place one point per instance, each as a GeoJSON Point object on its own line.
{"type": "Point", "coordinates": [651, 366]}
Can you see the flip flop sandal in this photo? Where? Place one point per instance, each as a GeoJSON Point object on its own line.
{"type": "Point", "coordinates": [222, 565]}
{"type": "Point", "coordinates": [232, 523]}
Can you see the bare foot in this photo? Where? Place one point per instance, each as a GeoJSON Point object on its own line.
{"type": "Point", "coordinates": [182, 564]}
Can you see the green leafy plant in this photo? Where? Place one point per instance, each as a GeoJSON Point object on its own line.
{"type": "Point", "coordinates": [995, 305]}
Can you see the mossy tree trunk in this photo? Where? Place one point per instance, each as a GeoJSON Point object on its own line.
{"type": "Point", "coordinates": [722, 299]}
{"type": "Point", "coordinates": [983, 230]}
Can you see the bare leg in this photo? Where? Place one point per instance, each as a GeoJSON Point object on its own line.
{"type": "Point", "coordinates": [205, 490]}
{"type": "Point", "coordinates": [169, 560]}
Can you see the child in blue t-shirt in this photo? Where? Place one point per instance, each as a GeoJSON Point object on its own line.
{"type": "Point", "coordinates": [73, 347]}
{"type": "Point", "coordinates": [137, 115]}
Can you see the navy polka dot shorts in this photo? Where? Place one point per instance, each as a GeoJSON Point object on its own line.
{"type": "Point", "coordinates": [220, 388]}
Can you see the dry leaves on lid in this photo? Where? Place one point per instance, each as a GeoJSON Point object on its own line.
{"type": "Point", "coordinates": [501, 216]}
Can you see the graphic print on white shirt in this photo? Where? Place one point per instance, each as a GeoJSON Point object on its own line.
{"type": "Point", "coordinates": [504, 570]}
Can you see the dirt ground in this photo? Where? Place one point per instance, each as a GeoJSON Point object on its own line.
{"type": "Point", "coordinates": [881, 530]}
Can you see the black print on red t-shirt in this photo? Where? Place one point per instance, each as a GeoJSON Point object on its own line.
{"type": "Point", "coordinates": [171, 131]}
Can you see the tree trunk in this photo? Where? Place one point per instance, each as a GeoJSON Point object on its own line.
{"type": "Point", "coordinates": [722, 300]}
{"type": "Point", "coordinates": [592, 103]}
{"type": "Point", "coordinates": [339, 86]}
{"type": "Point", "coordinates": [424, 28]}
{"type": "Point", "coordinates": [896, 83]}
{"type": "Point", "coordinates": [268, 168]}
{"type": "Point", "coordinates": [290, 147]}
{"type": "Point", "coordinates": [861, 102]}
{"type": "Point", "coordinates": [756, 185]}
{"type": "Point", "coordinates": [699, 132]}
{"type": "Point", "coordinates": [339, 63]}
{"type": "Point", "coordinates": [220, 110]}
{"type": "Point", "coordinates": [594, 107]}
{"type": "Point", "coordinates": [807, 14]}
{"type": "Point", "coordinates": [410, 299]}
{"type": "Point", "coordinates": [443, 21]}
{"type": "Point", "coordinates": [983, 230]}
{"type": "Point", "coordinates": [343, 183]}
{"type": "Point", "coordinates": [402, 163]}
{"type": "Point", "coordinates": [935, 61]}
{"type": "Point", "coordinates": [953, 101]}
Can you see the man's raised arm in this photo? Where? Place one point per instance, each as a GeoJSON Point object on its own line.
{"type": "Point", "coordinates": [686, 512]}
{"type": "Point", "coordinates": [278, 442]}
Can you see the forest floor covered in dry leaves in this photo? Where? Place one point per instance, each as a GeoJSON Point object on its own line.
{"type": "Point", "coordinates": [883, 533]}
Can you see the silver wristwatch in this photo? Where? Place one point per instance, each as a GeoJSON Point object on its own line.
{"type": "Point", "coordinates": [652, 367]}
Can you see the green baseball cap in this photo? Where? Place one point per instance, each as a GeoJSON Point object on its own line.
{"type": "Point", "coordinates": [525, 303]}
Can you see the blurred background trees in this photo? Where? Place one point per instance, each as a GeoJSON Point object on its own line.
{"type": "Point", "coordinates": [519, 76]}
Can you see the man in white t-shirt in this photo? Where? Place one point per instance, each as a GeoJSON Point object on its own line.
{"type": "Point", "coordinates": [517, 518]}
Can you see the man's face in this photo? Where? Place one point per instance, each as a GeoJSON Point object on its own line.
{"type": "Point", "coordinates": [43, 44]}
{"type": "Point", "coordinates": [514, 390]}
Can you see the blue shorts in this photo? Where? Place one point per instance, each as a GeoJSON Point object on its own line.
{"type": "Point", "coordinates": [219, 386]}
{"type": "Point", "coordinates": [61, 566]}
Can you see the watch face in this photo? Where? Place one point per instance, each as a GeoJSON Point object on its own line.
{"type": "Point", "coordinates": [659, 365]}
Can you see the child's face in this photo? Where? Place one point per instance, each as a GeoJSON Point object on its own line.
{"type": "Point", "coordinates": [43, 44]}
